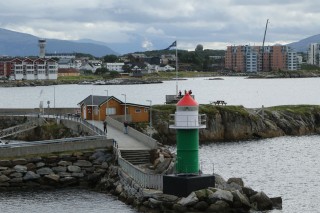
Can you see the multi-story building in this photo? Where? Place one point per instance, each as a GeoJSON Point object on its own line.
{"type": "Point", "coordinates": [29, 69]}
{"type": "Point", "coordinates": [115, 67]}
{"type": "Point", "coordinates": [313, 54]}
{"type": "Point", "coordinates": [255, 59]}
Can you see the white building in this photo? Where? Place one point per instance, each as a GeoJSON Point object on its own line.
{"type": "Point", "coordinates": [115, 67]}
{"type": "Point", "coordinates": [251, 59]}
{"type": "Point", "coordinates": [292, 60]}
{"type": "Point", "coordinates": [34, 69]}
{"type": "Point", "coordinates": [313, 54]}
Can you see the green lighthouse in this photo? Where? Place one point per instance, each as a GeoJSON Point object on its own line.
{"type": "Point", "coordinates": [187, 177]}
{"type": "Point", "coordinates": [187, 122]}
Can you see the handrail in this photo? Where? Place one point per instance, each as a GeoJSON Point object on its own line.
{"type": "Point", "coordinates": [145, 180]}
{"type": "Point", "coordinates": [149, 181]}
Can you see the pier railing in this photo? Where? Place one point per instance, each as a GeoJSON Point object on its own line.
{"type": "Point", "coordinates": [145, 180]}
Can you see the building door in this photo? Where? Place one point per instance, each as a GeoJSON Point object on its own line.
{"type": "Point", "coordinates": [84, 111]}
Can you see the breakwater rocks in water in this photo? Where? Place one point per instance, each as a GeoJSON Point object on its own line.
{"type": "Point", "coordinates": [227, 196]}
{"type": "Point", "coordinates": [76, 169]}
{"type": "Point", "coordinates": [98, 170]}
{"type": "Point", "coordinates": [233, 123]}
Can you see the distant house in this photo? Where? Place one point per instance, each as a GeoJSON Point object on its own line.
{"type": "Point", "coordinates": [98, 107]}
{"type": "Point", "coordinates": [166, 68]}
{"type": "Point", "coordinates": [91, 65]}
{"type": "Point", "coordinates": [115, 67]}
{"type": "Point", "coordinates": [66, 63]}
{"type": "Point", "coordinates": [68, 72]}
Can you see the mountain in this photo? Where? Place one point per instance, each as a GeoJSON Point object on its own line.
{"type": "Point", "coordinates": [21, 44]}
{"type": "Point", "coordinates": [134, 45]}
{"type": "Point", "coordinates": [303, 45]}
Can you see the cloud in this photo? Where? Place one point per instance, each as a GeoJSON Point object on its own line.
{"type": "Point", "coordinates": [147, 45]}
{"type": "Point", "coordinates": [212, 22]}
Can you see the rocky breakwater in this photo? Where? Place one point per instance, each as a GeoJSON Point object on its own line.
{"type": "Point", "coordinates": [230, 123]}
{"type": "Point", "coordinates": [226, 197]}
{"type": "Point", "coordinates": [76, 169]}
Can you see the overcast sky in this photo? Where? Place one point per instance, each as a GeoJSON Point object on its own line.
{"type": "Point", "coordinates": [213, 23]}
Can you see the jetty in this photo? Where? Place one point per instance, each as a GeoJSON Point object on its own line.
{"type": "Point", "coordinates": [125, 170]}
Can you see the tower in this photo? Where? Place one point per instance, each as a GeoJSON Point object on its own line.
{"type": "Point", "coordinates": [187, 123]}
{"type": "Point", "coordinates": [42, 47]}
{"type": "Point", "coordinates": [188, 177]}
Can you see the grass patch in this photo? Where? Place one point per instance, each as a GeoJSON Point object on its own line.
{"type": "Point", "coordinates": [296, 109]}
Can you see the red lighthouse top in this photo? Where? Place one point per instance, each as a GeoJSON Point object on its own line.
{"type": "Point", "coordinates": [187, 100]}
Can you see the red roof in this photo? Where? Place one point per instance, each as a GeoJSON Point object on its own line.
{"type": "Point", "coordinates": [187, 100]}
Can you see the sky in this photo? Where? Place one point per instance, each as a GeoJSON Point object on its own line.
{"type": "Point", "coordinates": [153, 23]}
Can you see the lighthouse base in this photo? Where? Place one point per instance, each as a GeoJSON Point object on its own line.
{"type": "Point", "coordinates": [183, 185]}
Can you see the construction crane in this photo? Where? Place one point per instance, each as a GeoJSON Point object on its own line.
{"type": "Point", "coordinates": [264, 38]}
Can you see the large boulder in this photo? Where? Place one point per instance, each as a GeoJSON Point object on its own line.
{"type": "Point", "coordinates": [238, 181]}
{"type": "Point", "coordinates": [219, 207]}
{"type": "Point", "coordinates": [44, 171]}
{"type": "Point", "coordinates": [201, 206]}
{"type": "Point", "coordinates": [83, 163]}
{"type": "Point", "coordinates": [4, 178]}
{"type": "Point", "coordinates": [31, 176]}
{"type": "Point", "coordinates": [276, 202]}
{"type": "Point", "coordinates": [20, 168]}
{"type": "Point", "coordinates": [74, 169]}
{"type": "Point", "coordinates": [240, 201]}
{"type": "Point", "coordinates": [190, 200]}
{"type": "Point", "coordinates": [261, 201]}
{"type": "Point", "coordinates": [221, 195]}
{"type": "Point", "coordinates": [201, 194]}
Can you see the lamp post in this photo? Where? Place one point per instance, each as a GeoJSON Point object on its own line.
{"type": "Point", "coordinates": [54, 97]}
{"type": "Point", "coordinates": [107, 112]}
{"type": "Point", "coordinates": [125, 107]}
{"type": "Point", "coordinates": [150, 112]}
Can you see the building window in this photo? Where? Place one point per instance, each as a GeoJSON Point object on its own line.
{"type": "Point", "coordinates": [111, 111]}
{"type": "Point", "coordinates": [138, 110]}
{"type": "Point", "coordinates": [146, 109]}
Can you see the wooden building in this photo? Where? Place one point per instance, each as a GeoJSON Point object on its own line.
{"type": "Point", "coordinates": [98, 107]}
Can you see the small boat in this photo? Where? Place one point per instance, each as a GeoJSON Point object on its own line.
{"type": "Point", "coordinates": [215, 79]}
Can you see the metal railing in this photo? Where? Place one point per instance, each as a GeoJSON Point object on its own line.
{"type": "Point", "coordinates": [54, 141]}
{"type": "Point", "coordinates": [145, 180]}
{"type": "Point", "coordinates": [94, 128]}
{"type": "Point", "coordinates": [188, 120]}
{"type": "Point", "coordinates": [19, 128]}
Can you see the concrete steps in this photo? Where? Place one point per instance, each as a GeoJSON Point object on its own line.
{"type": "Point", "coordinates": [136, 157]}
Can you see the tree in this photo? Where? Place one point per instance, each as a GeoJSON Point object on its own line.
{"type": "Point", "coordinates": [101, 71]}
{"type": "Point", "coordinates": [110, 58]}
{"type": "Point", "coordinates": [114, 74]}
{"type": "Point", "coordinates": [199, 47]}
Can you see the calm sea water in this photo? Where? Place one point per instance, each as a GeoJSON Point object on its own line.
{"type": "Point", "coordinates": [66, 200]}
{"type": "Point", "coordinates": [285, 166]}
{"type": "Point", "coordinates": [233, 90]}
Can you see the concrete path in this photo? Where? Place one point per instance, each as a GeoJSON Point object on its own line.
{"type": "Point", "coordinates": [125, 142]}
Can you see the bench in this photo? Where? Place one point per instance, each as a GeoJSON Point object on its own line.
{"type": "Point", "coordinates": [218, 102]}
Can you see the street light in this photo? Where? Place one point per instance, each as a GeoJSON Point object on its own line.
{"type": "Point", "coordinates": [150, 112]}
{"type": "Point", "coordinates": [107, 112]}
{"type": "Point", "coordinates": [125, 107]}
{"type": "Point", "coordinates": [54, 97]}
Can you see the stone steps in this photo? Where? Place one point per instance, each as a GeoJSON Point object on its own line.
{"type": "Point", "coordinates": [136, 157]}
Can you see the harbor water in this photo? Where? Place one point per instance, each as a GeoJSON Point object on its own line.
{"type": "Point", "coordinates": [284, 166]}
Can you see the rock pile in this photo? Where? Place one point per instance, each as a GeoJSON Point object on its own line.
{"type": "Point", "coordinates": [79, 168]}
{"type": "Point", "coordinates": [227, 196]}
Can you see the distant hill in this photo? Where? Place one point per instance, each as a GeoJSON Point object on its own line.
{"type": "Point", "coordinates": [21, 44]}
{"type": "Point", "coordinates": [303, 45]}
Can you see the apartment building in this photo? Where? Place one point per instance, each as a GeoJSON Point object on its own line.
{"type": "Point", "coordinates": [246, 58]}
{"type": "Point", "coordinates": [313, 54]}
{"type": "Point", "coordinates": [29, 69]}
